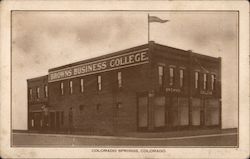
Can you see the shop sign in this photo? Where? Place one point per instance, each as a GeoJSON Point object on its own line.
{"type": "Point", "coordinates": [173, 90]}
{"type": "Point", "coordinates": [206, 92]}
{"type": "Point", "coordinates": [121, 61]}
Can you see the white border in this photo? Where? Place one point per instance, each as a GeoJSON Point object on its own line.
{"type": "Point", "coordinates": [10, 152]}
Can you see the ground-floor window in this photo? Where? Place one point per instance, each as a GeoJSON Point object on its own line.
{"type": "Point", "coordinates": [196, 111]}
{"type": "Point", "coordinates": [172, 111]}
{"type": "Point", "coordinates": [143, 111]}
{"type": "Point", "coordinates": [179, 111]}
{"type": "Point", "coordinates": [212, 109]}
{"type": "Point", "coordinates": [159, 111]}
{"type": "Point", "coordinates": [205, 111]}
{"type": "Point", "coordinates": [183, 111]}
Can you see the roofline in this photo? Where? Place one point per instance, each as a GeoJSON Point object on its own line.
{"type": "Point", "coordinates": [192, 53]}
{"type": "Point", "coordinates": [100, 57]}
{"type": "Point", "coordinates": [37, 78]}
{"type": "Point", "coordinates": [132, 49]}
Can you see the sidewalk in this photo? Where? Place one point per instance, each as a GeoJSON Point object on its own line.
{"type": "Point", "coordinates": [169, 134]}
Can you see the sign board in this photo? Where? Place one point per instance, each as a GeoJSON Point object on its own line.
{"type": "Point", "coordinates": [111, 63]}
{"type": "Point", "coordinates": [173, 90]}
{"type": "Point", "coordinates": [206, 92]}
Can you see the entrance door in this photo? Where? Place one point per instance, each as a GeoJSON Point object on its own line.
{"type": "Point", "coordinates": [142, 112]}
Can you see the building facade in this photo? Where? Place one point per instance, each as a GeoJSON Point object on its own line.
{"type": "Point", "coordinates": [151, 87]}
{"type": "Point", "coordinates": [37, 102]}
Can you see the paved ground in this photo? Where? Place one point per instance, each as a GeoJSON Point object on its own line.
{"type": "Point", "coordinates": [202, 138]}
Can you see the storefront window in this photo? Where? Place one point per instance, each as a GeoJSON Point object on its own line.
{"type": "Point", "coordinates": [174, 112]}
{"type": "Point", "coordinates": [183, 111]}
{"type": "Point", "coordinates": [212, 115]}
{"type": "Point", "coordinates": [179, 111]}
{"type": "Point", "coordinates": [196, 108]}
{"type": "Point", "coordinates": [159, 111]}
{"type": "Point", "coordinates": [143, 111]}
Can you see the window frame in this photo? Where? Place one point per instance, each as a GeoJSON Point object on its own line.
{"type": "Point", "coordinates": [119, 79]}
{"type": "Point", "coordinates": [38, 95]}
{"type": "Point", "coordinates": [99, 82]}
{"type": "Point", "coordinates": [70, 87]}
{"type": "Point", "coordinates": [161, 75]}
{"type": "Point", "coordinates": [205, 81]}
{"type": "Point", "coordinates": [196, 80]}
{"type": "Point", "coordinates": [171, 76]}
{"type": "Point", "coordinates": [62, 88]}
{"type": "Point", "coordinates": [46, 91]}
{"type": "Point", "coordinates": [181, 82]}
{"type": "Point", "coordinates": [81, 85]}
{"type": "Point", "coordinates": [30, 93]}
{"type": "Point", "coordinates": [213, 82]}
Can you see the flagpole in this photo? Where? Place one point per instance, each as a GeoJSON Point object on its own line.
{"type": "Point", "coordinates": [148, 29]}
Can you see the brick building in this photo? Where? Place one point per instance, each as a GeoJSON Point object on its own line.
{"type": "Point", "coordinates": [151, 87]}
{"type": "Point", "coordinates": [37, 101]}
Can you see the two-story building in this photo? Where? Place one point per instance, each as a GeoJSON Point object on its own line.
{"type": "Point", "coordinates": [37, 102]}
{"type": "Point", "coordinates": [151, 87]}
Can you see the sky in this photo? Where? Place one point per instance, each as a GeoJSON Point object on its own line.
{"type": "Point", "coordinates": [46, 39]}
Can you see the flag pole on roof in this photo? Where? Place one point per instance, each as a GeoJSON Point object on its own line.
{"type": "Point", "coordinates": [152, 19]}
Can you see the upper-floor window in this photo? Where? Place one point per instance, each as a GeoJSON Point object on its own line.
{"type": "Point", "coordinates": [161, 75]}
{"type": "Point", "coordinates": [71, 87]}
{"type": "Point", "coordinates": [82, 85]}
{"type": "Point", "coordinates": [181, 77]}
{"type": "Point", "coordinates": [62, 88]}
{"type": "Point", "coordinates": [196, 79]}
{"type": "Point", "coordinates": [46, 90]}
{"type": "Point", "coordinates": [30, 93]}
{"type": "Point", "coordinates": [119, 78]}
{"type": "Point", "coordinates": [171, 76]}
{"type": "Point", "coordinates": [38, 92]}
{"type": "Point", "coordinates": [99, 82]}
{"type": "Point", "coordinates": [213, 81]}
{"type": "Point", "coordinates": [204, 81]}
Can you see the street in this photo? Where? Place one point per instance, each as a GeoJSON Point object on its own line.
{"type": "Point", "coordinates": [205, 139]}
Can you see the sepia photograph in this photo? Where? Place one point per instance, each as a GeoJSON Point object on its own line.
{"type": "Point", "coordinates": [124, 79]}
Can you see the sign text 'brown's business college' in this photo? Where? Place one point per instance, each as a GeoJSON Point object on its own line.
{"type": "Point", "coordinates": [111, 63]}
